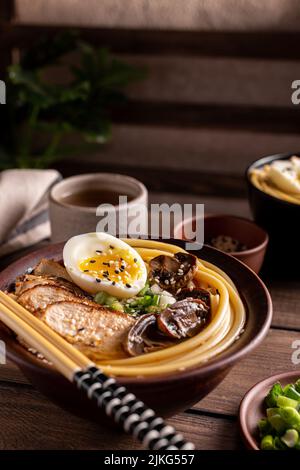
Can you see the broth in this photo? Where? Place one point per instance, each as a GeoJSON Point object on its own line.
{"type": "Point", "coordinates": [94, 197]}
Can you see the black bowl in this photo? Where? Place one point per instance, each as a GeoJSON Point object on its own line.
{"type": "Point", "coordinates": [279, 219]}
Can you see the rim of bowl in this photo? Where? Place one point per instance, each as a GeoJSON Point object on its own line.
{"type": "Point", "coordinates": [249, 251]}
{"type": "Point", "coordinates": [216, 364]}
{"type": "Point", "coordinates": [246, 400]}
{"type": "Point", "coordinates": [86, 176]}
{"type": "Point", "coordinates": [267, 159]}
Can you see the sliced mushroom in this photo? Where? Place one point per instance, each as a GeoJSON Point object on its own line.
{"type": "Point", "coordinates": [201, 294]}
{"type": "Point", "coordinates": [184, 319]}
{"type": "Point", "coordinates": [173, 272]}
{"type": "Point", "coordinates": [144, 336]}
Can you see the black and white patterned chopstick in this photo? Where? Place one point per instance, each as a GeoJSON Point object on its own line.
{"type": "Point", "coordinates": [129, 412]}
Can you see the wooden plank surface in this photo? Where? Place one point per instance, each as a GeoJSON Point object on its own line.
{"type": "Point", "coordinates": [29, 421]}
{"type": "Point", "coordinates": [164, 14]}
{"type": "Point", "coordinates": [214, 80]}
{"type": "Point", "coordinates": [273, 356]}
{"type": "Point", "coordinates": [202, 80]}
{"type": "Point", "coordinates": [182, 158]}
{"type": "Point", "coordinates": [264, 45]}
{"type": "Point", "coordinates": [286, 299]}
{"type": "Point", "coordinates": [210, 116]}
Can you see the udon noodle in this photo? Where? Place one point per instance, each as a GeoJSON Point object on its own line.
{"type": "Point", "coordinates": [227, 321]}
{"type": "Point", "coordinates": [279, 179]}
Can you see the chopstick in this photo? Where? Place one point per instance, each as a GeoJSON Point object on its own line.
{"type": "Point", "coordinates": [76, 356]}
{"type": "Point", "coordinates": [130, 413]}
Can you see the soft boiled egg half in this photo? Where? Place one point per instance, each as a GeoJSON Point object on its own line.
{"type": "Point", "coordinates": [100, 262]}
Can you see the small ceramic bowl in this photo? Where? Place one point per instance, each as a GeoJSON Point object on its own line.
{"type": "Point", "coordinates": [243, 230]}
{"type": "Point", "coordinates": [252, 406]}
{"type": "Point", "coordinates": [167, 394]}
{"type": "Point", "coordinates": [279, 218]}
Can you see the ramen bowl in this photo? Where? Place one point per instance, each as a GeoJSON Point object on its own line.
{"type": "Point", "coordinates": [167, 394]}
{"type": "Point", "coordinates": [279, 219]}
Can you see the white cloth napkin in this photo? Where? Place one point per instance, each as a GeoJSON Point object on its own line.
{"type": "Point", "coordinates": [24, 207]}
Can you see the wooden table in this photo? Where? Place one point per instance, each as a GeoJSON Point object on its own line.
{"type": "Point", "coordinates": [29, 421]}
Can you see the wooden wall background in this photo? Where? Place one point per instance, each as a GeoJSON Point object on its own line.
{"type": "Point", "coordinates": [216, 98]}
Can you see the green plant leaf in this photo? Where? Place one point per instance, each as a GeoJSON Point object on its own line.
{"type": "Point", "coordinates": [83, 105]}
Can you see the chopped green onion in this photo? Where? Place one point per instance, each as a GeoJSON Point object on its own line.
{"type": "Point", "coordinates": [117, 306]}
{"type": "Point", "coordinates": [290, 438]}
{"type": "Point", "coordinates": [271, 398]}
{"type": "Point", "coordinates": [290, 392]}
{"type": "Point", "coordinates": [290, 416]}
{"type": "Point", "coordinates": [278, 444]}
{"type": "Point", "coordinates": [144, 290]}
{"type": "Point", "coordinates": [101, 297]}
{"type": "Point", "coordinates": [277, 423]}
{"type": "Point", "coordinates": [272, 412]}
{"type": "Point", "coordinates": [264, 427]}
{"type": "Point", "coordinates": [285, 401]}
{"type": "Point", "coordinates": [267, 442]}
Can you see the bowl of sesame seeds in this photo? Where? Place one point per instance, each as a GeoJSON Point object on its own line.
{"type": "Point", "coordinates": [236, 236]}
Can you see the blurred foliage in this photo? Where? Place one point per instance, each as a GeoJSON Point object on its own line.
{"type": "Point", "coordinates": [36, 107]}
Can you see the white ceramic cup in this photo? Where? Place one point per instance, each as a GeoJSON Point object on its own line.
{"type": "Point", "coordinates": [68, 220]}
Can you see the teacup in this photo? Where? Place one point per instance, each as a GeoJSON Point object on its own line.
{"type": "Point", "coordinates": [93, 202]}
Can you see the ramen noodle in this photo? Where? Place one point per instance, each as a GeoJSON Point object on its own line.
{"type": "Point", "coordinates": [280, 179]}
{"type": "Point", "coordinates": [228, 319]}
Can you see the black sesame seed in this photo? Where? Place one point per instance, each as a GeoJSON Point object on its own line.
{"type": "Point", "coordinates": [105, 264]}
{"type": "Point", "coordinates": [117, 271]}
{"type": "Point", "coordinates": [86, 270]}
{"type": "Point", "coordinates": [98, 251]}
{"type": "Point", "coordinates": [111, 247]}
{"type": "Point", "coordinates": [135, 260]}
{"type": "Point", "coordinates": [128, 285]}
{"type": "Point", "coordinates": [93, 261]}
{"type": "Point", "coordinates": [114, 283]}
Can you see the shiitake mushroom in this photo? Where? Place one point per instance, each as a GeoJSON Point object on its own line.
{"type": "Point", "coordinates": [184, 318]}
{"type": "Point", "coordinates": [180, 320]}
{"type": "Point", "coordinates": [144, 336]}
{"type": "Point", "coordinates": [198, 293]}
{"type": "Point", "coordinates": [173, 272]}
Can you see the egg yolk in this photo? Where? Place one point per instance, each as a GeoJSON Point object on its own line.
{"type": "Point", "coordinates": [115, 266]}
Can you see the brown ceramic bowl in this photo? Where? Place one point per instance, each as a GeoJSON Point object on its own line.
{"type": "Point", "coordinates": [252, 406]}
{"type": "Point", "coordinates": [167, 394]}
{"type": "Point", "coordinates": [239, 228]}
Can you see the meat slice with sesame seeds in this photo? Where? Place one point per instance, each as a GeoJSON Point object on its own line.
{"type": "Point", "coordinates": [95, 330]}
